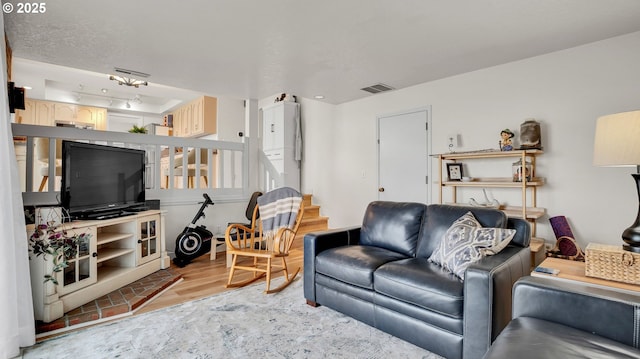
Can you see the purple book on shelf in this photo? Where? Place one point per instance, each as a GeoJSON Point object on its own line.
{"type": "Point", "coordinates": [561, 227]}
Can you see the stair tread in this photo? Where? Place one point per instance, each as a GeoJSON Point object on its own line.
{"type": "Point", "coordinates": [314, 219]}
{"type": "Point", "coordinates": [304, 230]}
{"type": "Point", "coordinates": [311, 214]}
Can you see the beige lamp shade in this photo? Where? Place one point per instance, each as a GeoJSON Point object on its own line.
{"type": "Point", "coordinates": [617, 140]}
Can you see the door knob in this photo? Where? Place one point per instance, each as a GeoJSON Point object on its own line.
{"type": "Point", "coordinates": [381, 189]}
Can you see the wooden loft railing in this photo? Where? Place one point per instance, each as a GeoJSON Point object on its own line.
{"type": "Point", "coordinates": [225, 164]}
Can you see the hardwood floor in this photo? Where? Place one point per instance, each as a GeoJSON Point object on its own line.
{"type": "Point", "coordinates": [203, 278]}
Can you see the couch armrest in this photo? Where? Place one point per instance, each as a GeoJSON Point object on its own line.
{"type": "Point", "coordinates": [607, 313]}
{"type": "Point", "coordinates": [316, 242]}
{"type": "Point", "coordinates": [523, 231]}
{"type": "Point", "coordinates": [487, 293]}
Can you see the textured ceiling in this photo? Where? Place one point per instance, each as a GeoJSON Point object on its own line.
{"type": "Point", "coordinates": [254, 49]}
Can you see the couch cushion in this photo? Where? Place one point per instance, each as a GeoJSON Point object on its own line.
{"type": "Point", "coordinates": [526, 338]}
{"type": "Point", "coordinates": [354, 264]}
{"type": "Point", "coordinates": [466, 242]}
{"type": "Point", "coordinates": [392, 225]}
{"type": "Point", "coordinates": [421, 283]}
{"type": "Point", "coordinates": [439, 217]}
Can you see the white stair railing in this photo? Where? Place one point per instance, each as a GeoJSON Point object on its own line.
{"type": "Point", "coordinates": [225, 165]}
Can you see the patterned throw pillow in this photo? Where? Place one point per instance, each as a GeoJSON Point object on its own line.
{"type": "Point", "coordinates": [466, 242]}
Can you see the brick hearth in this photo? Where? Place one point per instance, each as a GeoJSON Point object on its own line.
{"type": "Point", "coordinates": [121, 301]}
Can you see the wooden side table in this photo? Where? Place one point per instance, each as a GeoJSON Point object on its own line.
{"type": "Point", "coordinates": [537, 251]}
{"type": "Point", "coordinates": [574, 271]}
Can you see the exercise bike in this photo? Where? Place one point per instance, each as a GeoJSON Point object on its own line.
{"type": "Point", "coordinates": [194, 241]}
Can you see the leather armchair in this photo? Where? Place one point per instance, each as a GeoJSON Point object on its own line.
{"type": "Point", "coordinates": [560, 319]}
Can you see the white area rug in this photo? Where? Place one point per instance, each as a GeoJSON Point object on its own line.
{"type": "Point", "coordinates": [241, 323]}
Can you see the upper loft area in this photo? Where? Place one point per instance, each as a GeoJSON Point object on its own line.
{"type": "Point", "coordinates": [79, 95]}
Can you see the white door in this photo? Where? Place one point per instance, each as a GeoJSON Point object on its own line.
{"type": "Point", "coordinates": [403, 157]}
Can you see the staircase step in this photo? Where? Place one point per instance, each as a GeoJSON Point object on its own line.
{"type": "Point", "coordinates": [313, 224]}
{"type": "Point", "coordinates": [306, 199]}
{"type": "Point", "coordinates": [312, 221]}
{"type": "Point", "coordinates": [311, 211]}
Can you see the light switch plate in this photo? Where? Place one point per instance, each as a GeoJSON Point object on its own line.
{"type": "Point", "coordinates": [453, 140]}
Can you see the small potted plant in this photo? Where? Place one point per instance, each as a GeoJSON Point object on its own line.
{"type": "Point", "coordinates": [47, 241]}
{"type": "Point", "coordinates": [136, 129]}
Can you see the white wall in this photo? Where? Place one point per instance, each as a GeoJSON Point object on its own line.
{"type": "Point", "coordinates": [123, 122]}
{"type": "Point", "coordinates": [318, 135]}
{"type": "Point", "coordinates": [566, 91]}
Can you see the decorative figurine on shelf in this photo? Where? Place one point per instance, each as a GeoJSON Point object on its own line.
{"type": "Point", "coordinates": [487, 203]}
{"type": "Point", "coordinates": [285, 97]}
{"type": "Point", "coordinates": [530, 135]}
{"type": "Point", "coordinates": [506, 143]}
{"type": "Point", "coordinates": [518, 173]}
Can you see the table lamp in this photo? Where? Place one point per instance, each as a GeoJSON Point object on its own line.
{"type": "Point", "coordinates": [617, 144]}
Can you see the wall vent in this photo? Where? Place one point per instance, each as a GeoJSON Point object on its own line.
{"type": "Point", "coordinates": [380, 87]}
{"type": "Point", "coordinates": [133, 73]}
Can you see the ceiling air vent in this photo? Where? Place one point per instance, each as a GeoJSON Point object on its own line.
{"type": "Point", "coordinates": [133, 73]}
{"type": "Point", "coordinates": [377, 88]}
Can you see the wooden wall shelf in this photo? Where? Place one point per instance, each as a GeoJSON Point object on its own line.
{"type": "Point", "coordinates": [528, 208]}
{"type": "Point", "coordinates": [501, 182]}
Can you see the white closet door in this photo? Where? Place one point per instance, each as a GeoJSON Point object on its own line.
{"type": "Point", "coordinates": [403, 157]}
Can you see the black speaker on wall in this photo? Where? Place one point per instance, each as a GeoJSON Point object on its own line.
{"type": "Point", "coordinates": [16, 97]}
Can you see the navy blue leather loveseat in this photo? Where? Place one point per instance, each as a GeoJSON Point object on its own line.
{"type": "Point", "coordinates": [379, 273]}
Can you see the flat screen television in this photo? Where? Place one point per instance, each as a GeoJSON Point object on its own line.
{"type": "Point", "coordinates": [101, 181]}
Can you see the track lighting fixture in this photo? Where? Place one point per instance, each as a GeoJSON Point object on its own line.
{"type": "Point", "coordinates": [128, 81]}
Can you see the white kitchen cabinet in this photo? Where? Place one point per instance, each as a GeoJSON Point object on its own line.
{"type": "Point", "coordinates": [46, 113]}
{"type": "Point", "coordinates": [65, 112]}
{"type": "Point", "coordinates": [95, 116]}
{"type": "Point", "coordinates": [36, 112]}
{"type": "Point", "coordinates": [280, 123]}
{"type": "Point", "coordinates": [197, 118]}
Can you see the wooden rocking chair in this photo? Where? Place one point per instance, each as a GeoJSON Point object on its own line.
{"type": "Point", "coordinates": [264, 248]}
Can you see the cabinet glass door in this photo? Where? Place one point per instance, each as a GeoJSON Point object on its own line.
{"type": "Point", "coordinates": [81, 269]}
{"type": "Point", "coordinates": [148, 240]}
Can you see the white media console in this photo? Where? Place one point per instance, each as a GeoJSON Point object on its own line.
{"type": "Point", "coordinates": [120, 251]}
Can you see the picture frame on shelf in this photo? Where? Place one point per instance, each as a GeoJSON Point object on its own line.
{"type": "Point", "coordinates": [454, 171]}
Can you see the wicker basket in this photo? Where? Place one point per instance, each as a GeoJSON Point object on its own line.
{"type": "Point", "coordinates": [612, 263]}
